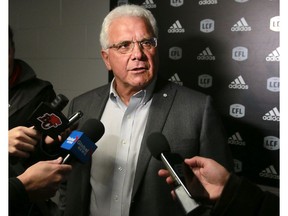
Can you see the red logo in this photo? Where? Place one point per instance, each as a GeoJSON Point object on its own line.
{"type": "Point", "coordinates": [49, 120]}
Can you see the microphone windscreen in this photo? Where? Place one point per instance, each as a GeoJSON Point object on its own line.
{"type": "Point", "coordinates": [59, 102]}
{"type": "Point", "coordinates": [93, 129]}
{"type": "Point", "coordinates": [157, 144]}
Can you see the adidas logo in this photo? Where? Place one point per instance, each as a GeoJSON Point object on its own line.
{"type": "Point", "coordinates": [241, 25]}
{"type": "Point", "coordinates": [274, 56]}
{"type": "Point", "coordinates": [272, 115]}
{"type": "Point", "coordinates": [236, 139]}
{"type": "Point", "coordinates": [149, 4]}
{"type": "Point", "coordinates": [176, 79]}
{"type": "Point", "coordinates": [176, 28]}
{"type": "Point", "coordinates": [238, 83]}
{"type": "Point", "coordinates": [206, 55]}
{"type": "Point", "coordinates": [269, 172]}
{"type": "Point", "coordinates": [271, 143]}
{"type": "Point", "coordinates": [207, 2]}
{"type": "Point", "coordinates": [241, 1]}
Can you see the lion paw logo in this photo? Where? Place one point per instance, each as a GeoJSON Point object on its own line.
{"type": "Point", "coordinates": [49, 120]}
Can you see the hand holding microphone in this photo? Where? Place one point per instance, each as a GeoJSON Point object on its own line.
{"type": "Point", "coordinates": [22, 141]}
{"type": "Point", "coordinates": [41, 180]}
{"type": "Point", "coordinates": [210, 173]}
{"type": "Point", "coordinates": [180, 173]}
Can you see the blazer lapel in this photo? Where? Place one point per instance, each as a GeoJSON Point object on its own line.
{"type": "Point", "coordinates": [159, 110]}
{"type": "Point", "coordinates": [98, 102]}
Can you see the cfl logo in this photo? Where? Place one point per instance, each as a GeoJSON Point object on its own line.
{"type": "Point", "coordinates": [121, 2]}
{"type": "Point", "coordinates": [207, 25]}
{"type": "Point", "coordinates": [275, 24]}
{"type": "Point", "coordinates": [205, 81]}
{"type": "Point", "coordinates": [273, 84]}
{"type": "Point", "coordinates": [237, 110]}
{"type": "Point", "coordinates": [240, 53]}
{"type": "Point", "coordinates": [271, 143]}
{"type": "Point", "coordinates": [237, 165]}
{"type": "Point", "coordinates": [175, 53]}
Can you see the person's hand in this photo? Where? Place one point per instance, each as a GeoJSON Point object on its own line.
{"type": "Point", "coordinates": [22, 141]}
{"type": "Point", "coordinates": [42, 179]}
{"type": "Point", "coordinates": [61, 137]}
{"type": "Point", "coordinates": [211, 174]}
{"type": "Point", "coordinates": [165, 174]}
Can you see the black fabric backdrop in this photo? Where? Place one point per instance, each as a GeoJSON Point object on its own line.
{"type": "Point", "coordinates": [230, 50]}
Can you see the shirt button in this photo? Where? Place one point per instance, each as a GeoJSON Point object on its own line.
{"type": "Point", "coordinates": [120, 169]}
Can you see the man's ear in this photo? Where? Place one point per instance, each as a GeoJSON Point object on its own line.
{"type": "Point", "coordinates": [105, 57]}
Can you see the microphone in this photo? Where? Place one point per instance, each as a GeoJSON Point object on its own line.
{"type": "Point", "coordinates": [59, 102]}
{"type": "Point", "coordinates": [48, 118]}
{"type": "Point", "coordinates": [81, 144]}
{"type": "Point", "coordinates": [160, 149]}
{"type": "Point", "coordinates": [74, 118]}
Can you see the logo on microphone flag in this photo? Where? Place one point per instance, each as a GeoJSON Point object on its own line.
{"type": "Point", "coordinates": [79, 145]}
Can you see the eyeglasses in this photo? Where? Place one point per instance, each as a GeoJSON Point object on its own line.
{"type": "Point", "coordinates": [125, 47]}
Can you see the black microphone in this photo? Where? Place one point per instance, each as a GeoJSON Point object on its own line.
{"type": "Point", "coordinates": [81, 144]}
{"type": "Point", "coordinates": [160, 149]}
{"type": "Point", "coordinates": [48, 118]}
{"type": "Point", "coordinates": [74, 118]}
{"type": "Point", "coordinates": [59, 102]}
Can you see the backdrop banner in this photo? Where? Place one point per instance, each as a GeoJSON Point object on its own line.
{"type": "Point", "coordinates": [229, 50]}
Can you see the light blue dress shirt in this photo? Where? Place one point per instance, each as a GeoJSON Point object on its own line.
{"type": "Point", "coordinates": [114, 162]}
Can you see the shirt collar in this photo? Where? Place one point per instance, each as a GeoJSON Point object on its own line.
{"type": "Point", "coordinates": [146, 93]}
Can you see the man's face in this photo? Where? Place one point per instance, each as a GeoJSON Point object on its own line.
{"type": "Point", "coordinates": [134, 70]}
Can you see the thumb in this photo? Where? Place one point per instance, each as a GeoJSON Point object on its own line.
{"type": "Point", "coordinates": [56, 161]}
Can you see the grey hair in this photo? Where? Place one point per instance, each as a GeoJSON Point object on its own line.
{"type": "Point", "coordinates": [126, 10]}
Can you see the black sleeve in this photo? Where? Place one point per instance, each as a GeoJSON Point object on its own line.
{"type": "Point", "coordinates": [17, 193]}
{"type": "Point", "coordinates": [242, 197]}
{"type": "Point", "coordinates": [21, 117]}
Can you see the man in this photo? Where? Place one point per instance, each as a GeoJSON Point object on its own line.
{"type": "Point", "coordinates": [122, 177]}
{"type": "Point", "coordinates": [26, 92]}
{"type": "Point", "coordinates": [231, 194]}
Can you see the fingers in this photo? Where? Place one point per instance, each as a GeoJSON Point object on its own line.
{"type": "Point", "coordinates": [49, 140]}
{"type": "Point", "coordinates": [22, 141]}
{"type": "Point", "coordinates": [17, 153]}
{"type": "Point", "coordinates": [165, 174]}
{"type": "Point", "coordinates": [173, 194]}
{"type": "Point", "coordinates": [21, 148]}
{"type": "Point", "coordinates": [56, 161]}
{"type": "Point", "coordinates": [196, 161]}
